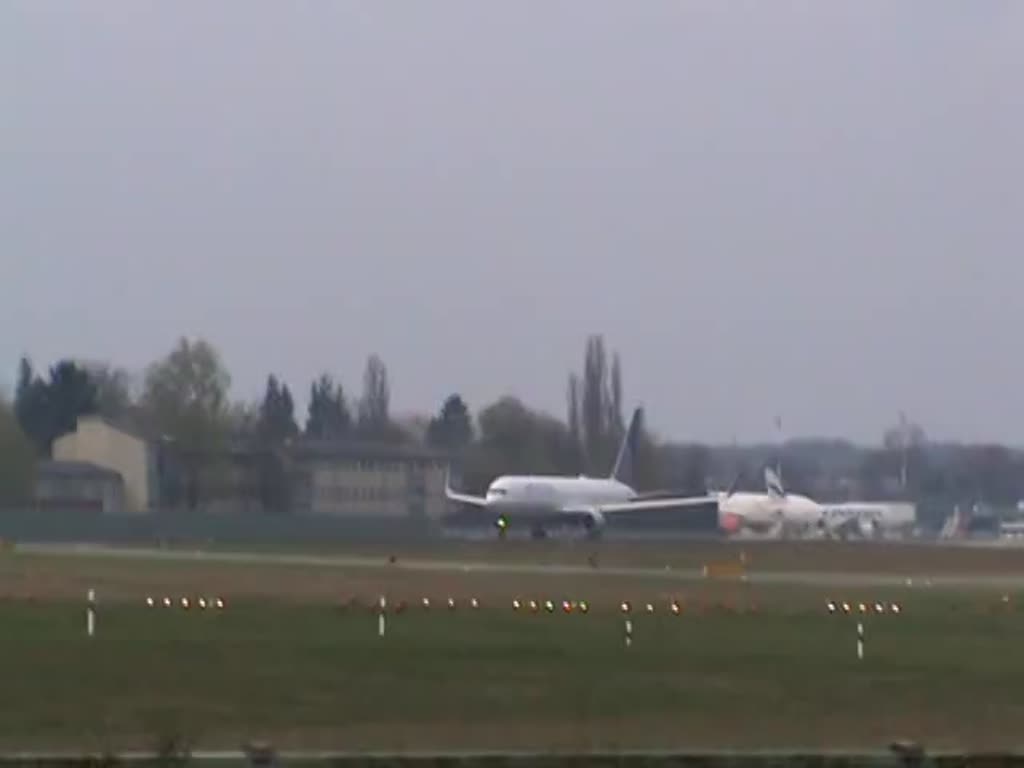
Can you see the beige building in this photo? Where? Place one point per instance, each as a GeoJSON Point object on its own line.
{"type": "Point", "coordinates": [336, 478]}
{"type": "Point", "coordinates": [102, 444]}
{"type": "Point", "coordinates": [233, 480]}
{"type": "Point", "coordinates": [78, 485]}
{"type": "Point", "coordinates": [368, 480]}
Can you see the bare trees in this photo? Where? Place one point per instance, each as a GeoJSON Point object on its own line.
{"type": "Point", "coordinates": [185, 400]}
{"type": "Point", "coordinates": [596, 415]}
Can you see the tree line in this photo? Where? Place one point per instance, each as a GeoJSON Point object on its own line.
{"type": "Point", "coordinates": [185, 399]}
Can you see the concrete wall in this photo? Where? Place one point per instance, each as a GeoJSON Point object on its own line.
{"type": "Point", "coordinates": [195, 529]}
{"type": "Point", "coordinates": [99, 443]}
{"type": "Point", "coordinates": [103, 493]}
{"type": "Point", "coordinates": [436, 502]}
{"type": "Point", "coordinates": [379, 488]}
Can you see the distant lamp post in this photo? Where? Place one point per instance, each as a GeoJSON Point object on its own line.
{"type": "Point", "coordinates": [904, 447]}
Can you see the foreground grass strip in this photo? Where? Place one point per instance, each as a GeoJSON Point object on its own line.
{"type": "Point", "coordinates": [946, 672]}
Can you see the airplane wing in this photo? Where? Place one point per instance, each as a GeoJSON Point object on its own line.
{"type": "Point", "coordinates": [638, 506]}
{"type": "Point", "coordinates": [463, 498]}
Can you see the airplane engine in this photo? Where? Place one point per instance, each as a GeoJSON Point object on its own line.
{"type": "Point", "coordinates": [594, 522]}
{"type": "Point", "coordinates": [867, 527]}
{"type": "Point", "coordinates": [731, 523]}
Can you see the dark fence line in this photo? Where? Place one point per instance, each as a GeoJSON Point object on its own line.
{"type": "Point", "coordinates": [177, 528]}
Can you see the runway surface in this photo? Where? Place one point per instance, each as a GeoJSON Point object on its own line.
{"type": "Point", "coordinates": [799, 578]}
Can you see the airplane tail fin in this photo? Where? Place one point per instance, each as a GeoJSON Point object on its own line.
{"type": "Point", "coordinates": [623, 469]}
{"type": "Point", "coordinates": [734, 484]}
{"type": "Point", "coordinates": [713, 490]}
{"type": "Point", "coordinates": [773, 483]}
{"type": "Point", "coordinates": [954, 526]}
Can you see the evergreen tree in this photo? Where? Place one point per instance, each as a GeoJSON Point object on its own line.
{"type": "Point", "coordinates": [374, 421]}
{"type": "Point", "coordinates": [328, 416]}
{"type": "Point", "coordinates": [277, 413]}
{"type": "Point", "coordinates": [31, 407]}
{"type": "Point", "coordinates": [72, 393]}
{"type": "Point", "coordinates": [594, 408]}
{"type": "Point", "coordinates": [452, 429]}
{"type": "Point", "coordinates": [17, 460]}
{"type": "Point", "coordinates": [575, 433]}
{"type": "Point", "coordinates": [45, 410]}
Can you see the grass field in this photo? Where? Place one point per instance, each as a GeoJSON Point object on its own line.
{"type": "Point", "coordinates": [743, 666]}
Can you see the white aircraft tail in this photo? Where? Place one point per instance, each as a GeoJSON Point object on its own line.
{"type": "Point", "coordinates": [954, 526]}
{"type": "Point", "coordinates": [733, 485]}
{"type": "Point", "coordinates": [624, 461]}
{"type": "Point", "coordinates": [773, 483]}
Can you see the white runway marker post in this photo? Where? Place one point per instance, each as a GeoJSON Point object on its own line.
{"type": "Point", "coordinates": [860, 640]}
{"type": "Point", "coordinates": [90, 613]}
{"type": "Point", "coordinates": [380, 616]}
{"type": "Point", "coordinates": [629, 633]}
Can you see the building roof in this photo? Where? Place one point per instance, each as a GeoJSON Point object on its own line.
{"type": "Point", "coordinates": [300, 447]}
{"type": "Point", "coordinates": [121, 425]}
{"type": "Point", "coordinates": [305, 448]}
{"type": "Point", "coordinates": [76, 469]}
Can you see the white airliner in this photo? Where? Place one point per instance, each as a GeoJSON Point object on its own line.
{"type": "Point", "coordinates": [777, 512]}
{"type": "Point", "coordinates": [774, 512]}
{"type": "Point", "coordinates": [869, 519]}
{"type": "Point", "coordinates": [542, 501]}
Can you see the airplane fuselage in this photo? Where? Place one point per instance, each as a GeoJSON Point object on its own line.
{"type": "Point", "coordinates": [558, 500]}
{"type": "Point", "coordinates": [870, 517]}
{"type": "Point", "coordinates": [762, 511]}
{"type": "Point", "coordinates": [513, 494]}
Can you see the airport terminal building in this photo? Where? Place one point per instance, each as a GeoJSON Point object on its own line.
{"type": "Point", "coordinates": [111, 467]}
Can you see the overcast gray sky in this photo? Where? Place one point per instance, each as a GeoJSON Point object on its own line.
{"type": "Point", "coordinates": [805, 208]}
